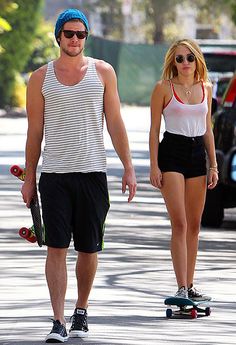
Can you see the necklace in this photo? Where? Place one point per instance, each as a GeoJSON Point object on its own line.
{"type": "Point", "coordinates": [187, 91]}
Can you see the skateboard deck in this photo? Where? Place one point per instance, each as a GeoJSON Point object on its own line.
{"type": "Point", "coordinates": [35, 232]}
{"type": "Point", "coordinates": [186, 307]}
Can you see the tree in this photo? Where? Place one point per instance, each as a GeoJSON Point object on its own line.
{"type": "Point", "coordinates": [111, 16]}
{"type": "Point", "coordinates": [17, 44]}
{"type": "Point", "coordinates": [161, 13]}
{"type": "Point", "coordinates": [233, 7]}
{"type": "Point", "coordinates": [210, 11]}
{"type": "Point", "coordinates": [217, 7]}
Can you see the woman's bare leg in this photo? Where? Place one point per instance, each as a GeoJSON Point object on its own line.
{"type": "Point", "coordinates": [173, 191]}
{"type": "Point", "coordinates": [195, 193]}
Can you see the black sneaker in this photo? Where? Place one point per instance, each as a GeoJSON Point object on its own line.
{"type": "Point", "coordinates": [196, 295]}
{"type": "Point", "coordinates": [58, 333]}
{"type": "Point", "coordinates": [79, 327]}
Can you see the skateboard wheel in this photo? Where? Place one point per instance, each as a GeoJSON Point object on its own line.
{"type": "Point", "coordinates": [168, 313]}
{"type": "Point", "coordinates": [16, 170]}
{"type": "Point", "coordinates": [208, 311]}
{"type": "Point", "coordinates": [24, 232]}
{"type": "Point", "coordinates": [194, 314]}
{"type": "Point", "coordinates": [27, 234]}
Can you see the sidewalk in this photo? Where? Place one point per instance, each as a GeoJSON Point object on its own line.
{"type": "Point", "coordinates": [135, 271]}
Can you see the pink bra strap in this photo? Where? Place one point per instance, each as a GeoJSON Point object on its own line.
{"type": "Point", "coordinates": [203, 91]}
{"type": "Point", "coordinates": [174, 93]}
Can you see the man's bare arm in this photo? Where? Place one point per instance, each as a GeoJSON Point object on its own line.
{"type": "Point", "coordinates": [116, 127]}
{"type": "Point", "coordinates": [35, 114]}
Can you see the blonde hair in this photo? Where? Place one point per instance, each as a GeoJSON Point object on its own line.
{"type": "Point", "coordinates": [169, 68]}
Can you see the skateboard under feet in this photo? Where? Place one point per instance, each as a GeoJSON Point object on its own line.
{"type": "Point", "coordinates": [186, 307]}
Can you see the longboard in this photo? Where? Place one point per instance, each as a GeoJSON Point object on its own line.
{"type": "Point", "coordinates": [186, 307]}
{"type": "Point", "coordinates": [34, 233]}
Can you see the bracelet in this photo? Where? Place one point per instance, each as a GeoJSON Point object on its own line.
{"type": "Point", "coordinates": [214, 169]}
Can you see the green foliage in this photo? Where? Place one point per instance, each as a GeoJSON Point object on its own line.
{"type": "Point", "coordinates": [234, 13]}
{"type": "Point", "coordinates": [157, 17]}
{"type": "Point", "coordinates": [17, 44]}
{"type": "Point", "coordinates": [4, 25]}
{"type": "Point", "coordinates": [160, 14]}
{"type": "Point", "coordinates": [5, 5]}
{"type": "Point", "coordinates": [210, 10]}
{"type": "Point", "coordinates": [45, 47]}
{"type": "Point", "coordinates": [19, 91]}
{"type": "Point", "coordinates": [111, 15]}
{"type": "Point", "coordinates": [233, 10]}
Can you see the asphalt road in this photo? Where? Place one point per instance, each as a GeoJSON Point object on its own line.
{"type": "Point", "coordinates": [135, 271]}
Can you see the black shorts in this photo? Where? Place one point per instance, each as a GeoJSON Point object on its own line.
{"type": "Point", "coordinates": [182, 154]}
{"type": "Point", "coordinates": [74, 204]}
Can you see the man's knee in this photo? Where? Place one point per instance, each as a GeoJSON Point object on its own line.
{"type": "Point", "coordinates": [57, 253]}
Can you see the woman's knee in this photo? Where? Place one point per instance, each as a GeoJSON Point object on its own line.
{"type": "Point", "coordinates": [194, 228]}
{"type": "Point", "coordinates": [179, 227]}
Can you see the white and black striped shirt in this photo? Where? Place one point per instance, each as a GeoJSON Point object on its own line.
{"type": "Point", "coordinates": [73, 117]}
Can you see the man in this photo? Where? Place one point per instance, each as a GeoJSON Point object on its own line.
{"type": "Point", "coordinates": [67, 99]}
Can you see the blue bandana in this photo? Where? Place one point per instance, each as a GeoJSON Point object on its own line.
{"type": "Point", "coordinates": [67, 15]}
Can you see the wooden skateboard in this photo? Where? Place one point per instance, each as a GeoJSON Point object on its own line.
{"type": "Point", "coordinates": [35, 232]}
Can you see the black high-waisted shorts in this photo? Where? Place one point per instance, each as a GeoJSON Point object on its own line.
{"type": "Point", "coordinates": [182, 154]}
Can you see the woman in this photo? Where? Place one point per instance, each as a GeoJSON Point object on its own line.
{"type": "Point", "coordinates": [178, 163]}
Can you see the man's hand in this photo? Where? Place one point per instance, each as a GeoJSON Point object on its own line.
{"type": "Point", "coordinates": [28, 191]}
{"type": "Point", "coordinates": [129, 179]}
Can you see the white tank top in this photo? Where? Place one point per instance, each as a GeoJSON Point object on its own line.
{"type": "Point", "coordinates": [73, 117]}
{"type": "Point", "coordinates": [185, 119]}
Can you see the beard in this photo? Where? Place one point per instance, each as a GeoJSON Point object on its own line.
{"type": "Point", "coordinates": [72, 53]}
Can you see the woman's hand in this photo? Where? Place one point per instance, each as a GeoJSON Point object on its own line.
{"type": "Point", "coordinates": [156, 177]}
{"type": "Point", "coordinates": [212, 178]}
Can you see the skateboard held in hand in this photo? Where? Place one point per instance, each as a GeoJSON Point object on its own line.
{"type": "Point", "coordinates": [34, 233]}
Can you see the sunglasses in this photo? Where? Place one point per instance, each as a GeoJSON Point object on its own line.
{"type": "Point", "coordinates": [80, 34]}
{"type": "Point", "coordinates": [182, 58]}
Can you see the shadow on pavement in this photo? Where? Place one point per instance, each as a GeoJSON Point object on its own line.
{"type": "Point", "coordinates": [134, 275]}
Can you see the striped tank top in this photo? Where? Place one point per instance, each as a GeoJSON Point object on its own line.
{"type": "Point", "coordinates": [73, 123]}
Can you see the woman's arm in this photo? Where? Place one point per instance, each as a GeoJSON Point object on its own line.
{"type": "Point", "coordinates": [157, 104]}
{"type": "Point", "coordinates": [210, 144]}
